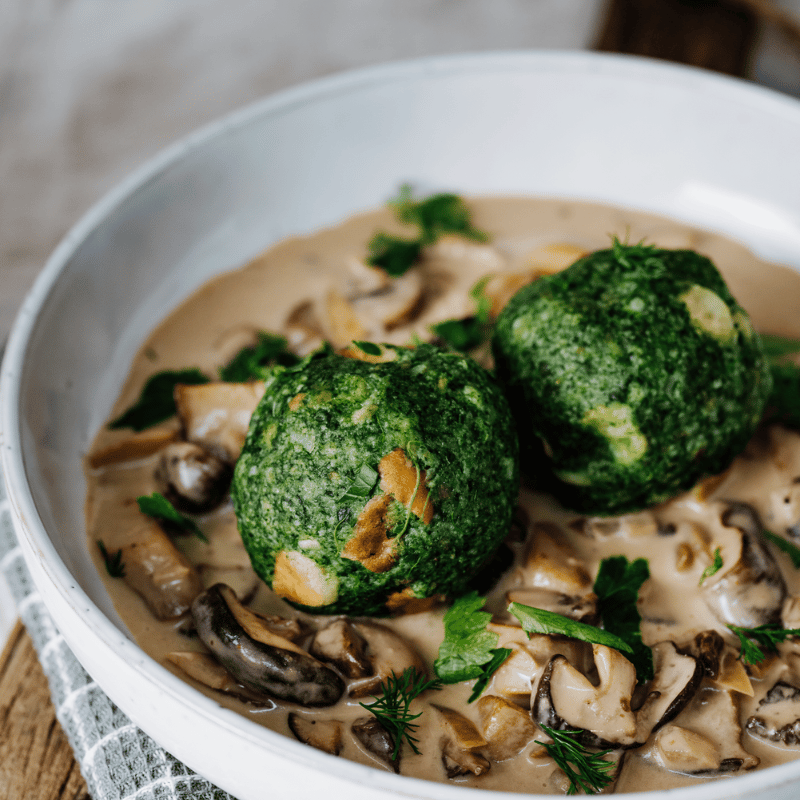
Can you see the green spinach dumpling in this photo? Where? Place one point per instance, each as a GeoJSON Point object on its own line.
{"type": "Point", "coordinates": [369, 484]}
{"type": "Point", "coordinates": [631, 374]}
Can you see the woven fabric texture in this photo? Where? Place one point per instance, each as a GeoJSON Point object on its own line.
{"type": "Point", "coordinates": [118, 760]}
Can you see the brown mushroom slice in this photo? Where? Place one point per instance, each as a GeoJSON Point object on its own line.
{"type": "Point", "coordinates": [323, 734]}
{"type": "Point", "coordinates": [217, 415]}
{"type": "Point", "coordinates": [394, 304]}
{"type": "Point", "coordinates": [339, 321]}
{"type": "Point", "coordinates": [207, 670]}
{"type": "Point", "coordinates": [567, 697]}
{"type": "Point", "coordinates": [159, 572]}
{"type": "Point", "coordinates": [751, 591]}
{"type": "Point", "coordinates": [551, 562]}
{"type": "Point", "coordinates": [191, 478]}
{"type": "Point", "coordinates": [389, 654]}
{"type": "Point", "coordinates": [721, 662]}
{"type": "Point", "coordinates": [676, 678]}
{"type": "Point", "coordinates": [135, 446]}
{"type": "Point", "coordinates": [582, 608]}
{"type": "Point", "coordinates": [460, 740]}
{"type": "Point", "coordinates": [258, 658]}
{"type": "Point", "coordinates": [377, 741]}
{"type": "Point", "coordinates": [680, 750]}
{"type": "Point", "coordinates": [303, 329]}
{"type": "Point", "coordinates": [777, 717]}
{"type": "Point", "coordinates": [714, 714]}
{"type": "Point", "coordinates": [506, 727]}
{"type": "Point", "coordinates": [340, 644]}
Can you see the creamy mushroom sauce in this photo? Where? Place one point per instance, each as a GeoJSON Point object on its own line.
{"type": "Point", "coordinates": [554, 550]}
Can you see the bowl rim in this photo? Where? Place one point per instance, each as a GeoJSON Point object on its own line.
{"type": "Point", "coordinates": [29, 525]}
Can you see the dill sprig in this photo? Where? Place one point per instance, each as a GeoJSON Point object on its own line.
{"type": "Point", "coordinates": [392, 708]}
{"type": "Point", "coordinates": [114, 565]}
{"type": "Point", "coordinates": [586, 770]}
{"type": "Point", "coordinates": [768, 637]}
{"type": "Point", "coordinates": [714, 567]}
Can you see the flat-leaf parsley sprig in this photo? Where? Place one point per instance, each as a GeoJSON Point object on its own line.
{"type": "Point", "coordinates": [392, 708]}
{"type": "Point", "coordinates": [768, 637]}
{"type": "Point", "coordinates": [468, 650]}
{"type": "Point", "coordinates": [585, 769]}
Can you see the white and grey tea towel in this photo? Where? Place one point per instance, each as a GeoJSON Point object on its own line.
{"type": "Point", "coordinates": [118, 760]}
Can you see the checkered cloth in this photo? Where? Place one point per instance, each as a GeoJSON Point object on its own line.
{"type": "Point", "coordinates": [117, 759]}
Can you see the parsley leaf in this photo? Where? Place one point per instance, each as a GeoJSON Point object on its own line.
{"type": "Point", "coordinates": [363, 484]}
{"type": "Point", "coordinates": [617, 588]}
{"type": "Point", "coordinates": [114, 565]}
{"type": "Point", "coordinates": [537, 620]}
{"type": "Point", "coordinates": [586, 770]}
{"type": "Point", "coordinates": [158, 507]}
{"type": "Point", "coordinates": [392, 708]}
{"type": "Point", "coordinates": [792, 550]}
{"type": "Point", "coordinates": [392, 254]}
{"type": "Point", "coordinates": [156, 401]}
{"type": "Point", "coordinates": [253, 363]}
{"type": "Point", "coordinates": [436, 215]}
{"type": "Point", "coordinates": [370, 348]}
{"type": "Point", "coordinates": [768, 637]}
{"type": "Point", "coordinates": [468, 650]}
{"type": "Point", "coordinates": [778, 346]}
{"type": "Point", "coordinates": [713, 568]}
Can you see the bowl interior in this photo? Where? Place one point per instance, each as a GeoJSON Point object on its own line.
{"type": "Point", "coordinates": [674, 141]}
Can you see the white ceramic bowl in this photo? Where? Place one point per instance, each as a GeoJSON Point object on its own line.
{"type": "Point", "coordinates": [717, 153]}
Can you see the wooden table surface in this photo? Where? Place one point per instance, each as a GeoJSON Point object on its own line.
{"type": "Point", "coordinates": [36, 762]}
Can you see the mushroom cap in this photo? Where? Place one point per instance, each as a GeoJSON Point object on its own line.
{"type": "Point", "coordinates": [632, 374]}
{"type": "Point", "coordinates": [363, 483]}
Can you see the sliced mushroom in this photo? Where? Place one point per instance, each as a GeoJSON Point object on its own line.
{"type": "Point", "coordinates": [567, 698]}
{"type": "Point", "coordinates": [721, 663]}
{"type": "Point", "coordinates": [258, 658]}
{"type": "Point", "coordinates": [191, 478]}
{"type": "Point", "coordinates": [303, 329]}
{"type": "Point", "coordinates": [551, 562]}
{"type": "Point", "coordinates": [751, 591]}
{"type": "Point", "coordinates": [582, 608]}
{"type": "Point", "coordinates": [159, 572]}
{"type": "Point", "coordinates": [377, 741]}
{"type": "Point", "coordinates": [460, 740]}
{"type": "Point", "coordinates": [777, 716]}
{"type": "Point", "coordinates": [217, 415]}
{"type": "Point", "coordinates": [384, 653]}
{"type": "Point", "coordinates": [680, 750]}
{"type": "Point", "coordinates": [714, 714]}
{"type": "Point", "coordinates": [324, 734]}
{"type": "Point", "coordinates": [135, 446]}
{"type": "Point", "coordinates": [207, 670]}
{"type": "Point", "coordinates": [506, 727]}
{"type": "Point", "coordinates": [676, 678]}
{"type": "Point", "coordinates": [340, 644]}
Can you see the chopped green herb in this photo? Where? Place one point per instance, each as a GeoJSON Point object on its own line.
{"type": "Point", "coordinates": [370, 348]}
{"type": "Point", "coordinates": [713, 568]}
{"type": "Point", "coordinates": [434, 216]}
{"type": "Point", "coordinates": [437, 215]}
{"type": "Point", "coordinates": [156, 402]}
{"type": "Point", "coordinates": [114, 566]}
{"type": "Point", "coordinates": [778, 346]}
{"type": "Point", "coordinates": [792, 550]}
{"type": "Point", "coordinates": [586, 770]}
{"type": "Point", "coordinates": [392, 708]}
{"type": "Point", "coordinates": [468, 650]}
{"type": "Point", "coordinates": [253, 363]}
{"type": "Point", "coordinates": [158, 507]}
{"type": "Point", "coordinates": [361, 488]}
{"type": "Point", "coordinates": [617, 588]}
{"type": "Point", "coordinates": [392, 254]}
{"type": "Point", "coordinates": [537, 620]}
{"type": "Point", "coordinates": [470, 332]}
{"type": "Point", "coordinates": [768, 637]}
